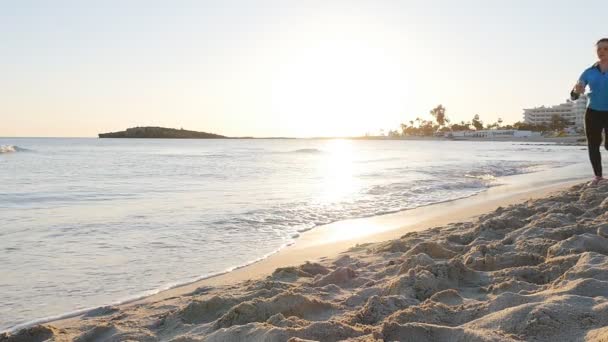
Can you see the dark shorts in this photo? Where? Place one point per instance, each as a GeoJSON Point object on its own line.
{"type": "Point", "coordinates": [595, 122]}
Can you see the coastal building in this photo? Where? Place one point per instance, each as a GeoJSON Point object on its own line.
{"type": "Point", "coordinates": [493, 134]}
{"type": "Point", "coordinates": [572, 111]}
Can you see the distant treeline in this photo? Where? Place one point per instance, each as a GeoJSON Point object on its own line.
{"type": "Point", "coordinates": [441, 123]}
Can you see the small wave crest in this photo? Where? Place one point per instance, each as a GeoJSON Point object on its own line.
{"type": "Point", "coordinates": [492, 171]}
{"type": "Point", "coordinates": [502, 169]}
{"type": "Point", "coordinates": [7, 149]}
{"type": "Point", "coordinates": [488, 171]}
{"type": "Point", "coordinates": [11, 148]}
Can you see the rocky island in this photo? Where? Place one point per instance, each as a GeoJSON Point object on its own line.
{"type": "Point", "coordinates": [160, 133]}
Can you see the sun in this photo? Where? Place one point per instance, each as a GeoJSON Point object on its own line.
{"type": "Point", "coordinates": [338, 88]}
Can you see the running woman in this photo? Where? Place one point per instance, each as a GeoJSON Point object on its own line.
{"type": "Point", "coordinates": [596, 117]}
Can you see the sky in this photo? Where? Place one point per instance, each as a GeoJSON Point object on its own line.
{"type": "Point", "coordinates": [300, 68]}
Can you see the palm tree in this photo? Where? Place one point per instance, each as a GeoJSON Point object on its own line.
{"type": "Point", "coordinates": [477, 123]}
{"type": "Point", "coordinates": [439, 114]}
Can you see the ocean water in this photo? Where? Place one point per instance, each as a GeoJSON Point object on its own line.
{"type": "Point", "coordinates": [90, 222]}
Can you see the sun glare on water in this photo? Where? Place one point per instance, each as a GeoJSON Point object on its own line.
{"type": "Point", "coordinates": [338, 171]}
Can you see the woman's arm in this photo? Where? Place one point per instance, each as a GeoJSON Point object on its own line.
{"type": "Point", "coordinates": [579, 87]}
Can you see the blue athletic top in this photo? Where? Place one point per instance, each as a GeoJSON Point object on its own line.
{"type": "Point", "coordinates": [598, 82]}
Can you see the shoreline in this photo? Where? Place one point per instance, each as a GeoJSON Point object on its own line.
{"type": "Point", "coordinates": [469, 271]}
{"type": "Point", "coordinates": [306, 247]}
{"type": "Point", "coordinates": [142, 288]}
{"type": "Point", "coordinates": [328, 241]}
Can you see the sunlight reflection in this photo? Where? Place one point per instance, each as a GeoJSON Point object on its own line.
{"type": "Point", "coordinates": [351, 229]}
{"type": "Point", "coordinates": [338, 170]}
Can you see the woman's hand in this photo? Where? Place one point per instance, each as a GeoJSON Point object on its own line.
{"type": "Point", "coordinates": [579, 87]}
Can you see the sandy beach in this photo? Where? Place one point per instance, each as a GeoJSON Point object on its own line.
{"type": "Point", "coordinates": [296, 171]}
{"type": "Point", "coordinates": [524, 265]}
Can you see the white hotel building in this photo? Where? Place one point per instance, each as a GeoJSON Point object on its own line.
{"type": "Point", "coordinates": [573, 111]}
